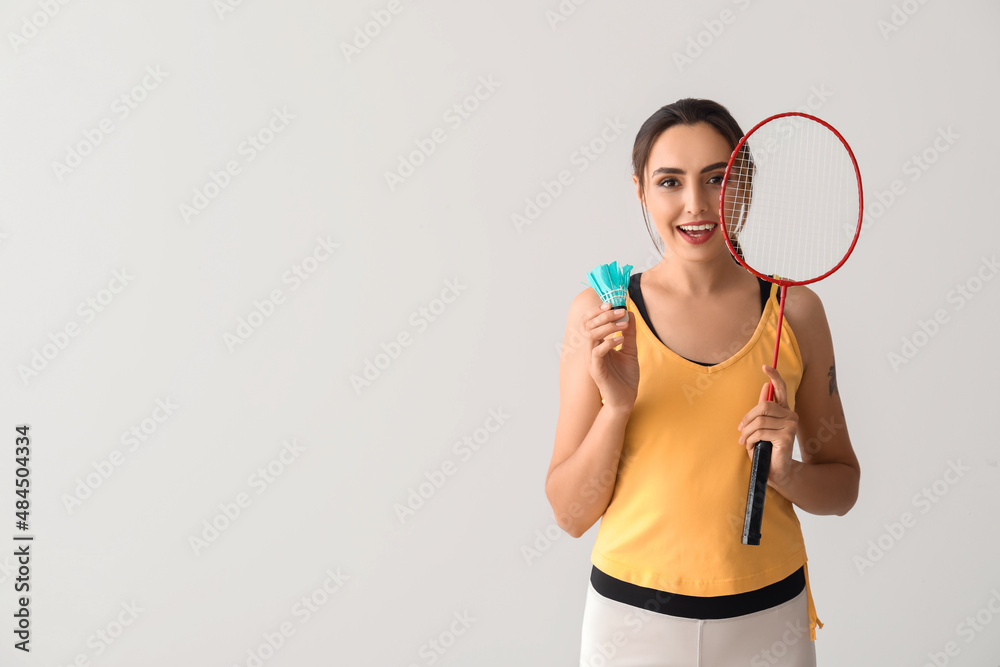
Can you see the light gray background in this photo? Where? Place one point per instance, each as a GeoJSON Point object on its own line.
{"type": "Point", "coordinates": [494, 347]}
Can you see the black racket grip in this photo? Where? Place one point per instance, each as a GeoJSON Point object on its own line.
{"type": "Point", "coordinates": [755, 494]}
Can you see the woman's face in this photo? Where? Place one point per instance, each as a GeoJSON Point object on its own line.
{"type": "Point", "coordinates": [683, 179]}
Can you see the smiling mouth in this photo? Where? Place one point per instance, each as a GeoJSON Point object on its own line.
{"type": "Point", "coordinates": [698, 232]}
{"type": "Point", "coordinates": [705, 227]}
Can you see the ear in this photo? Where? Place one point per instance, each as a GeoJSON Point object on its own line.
{"type": "Point", "coordinates": [638, 193]}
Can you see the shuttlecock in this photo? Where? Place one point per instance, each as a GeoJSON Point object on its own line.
{"type": "Point", "coordinates": [611, 283]}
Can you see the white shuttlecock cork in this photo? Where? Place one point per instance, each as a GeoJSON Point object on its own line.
{"type": "Point", "coordinates": [611, 283]}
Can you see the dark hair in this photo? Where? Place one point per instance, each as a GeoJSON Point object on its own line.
{"type": "Point", "coordinates": [688, 111]}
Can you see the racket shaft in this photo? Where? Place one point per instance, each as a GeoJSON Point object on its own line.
{"type": "Point", "coordinates": [761, 464]}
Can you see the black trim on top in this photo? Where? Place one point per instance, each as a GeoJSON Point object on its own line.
{"type": "Point", "coordinates": [635, 293]}
{"type": "Point", "coordinates": [690, 606]}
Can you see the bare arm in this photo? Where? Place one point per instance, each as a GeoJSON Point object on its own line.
{"type": "Point", "coordinates": [589, 436]}
{"type": "Point", "coordinates": [579, 488]}
{"type": "Point", "coordinates": [827, 479]}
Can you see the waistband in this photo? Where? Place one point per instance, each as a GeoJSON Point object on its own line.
{"type": "Point", "coordinates": [713, 607]}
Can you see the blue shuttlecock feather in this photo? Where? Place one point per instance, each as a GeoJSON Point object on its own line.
{"type": "Point", "coordinates": [611, 282]}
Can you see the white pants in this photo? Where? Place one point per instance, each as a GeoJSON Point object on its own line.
{"type": "Point", "coordinates": [616, 634]}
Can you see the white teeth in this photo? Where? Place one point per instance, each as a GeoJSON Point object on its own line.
{"type": "Point", "coordinates": [697, 228]}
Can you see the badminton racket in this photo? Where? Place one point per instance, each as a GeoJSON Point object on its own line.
{"type": "Point", "coordinates": [791, 207]}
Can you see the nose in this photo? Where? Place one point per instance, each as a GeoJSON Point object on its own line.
{"type": "Point", "coordinates": [697, 200]}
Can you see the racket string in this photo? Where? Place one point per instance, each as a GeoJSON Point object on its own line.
{"type": "Point", "coordinates": [792, 188]}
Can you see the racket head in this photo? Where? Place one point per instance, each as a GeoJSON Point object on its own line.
{"type": "Point", "coordinates": [799, 168]}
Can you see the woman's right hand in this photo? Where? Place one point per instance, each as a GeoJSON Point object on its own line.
{"type": "Point", "coordinates": [616, 372]}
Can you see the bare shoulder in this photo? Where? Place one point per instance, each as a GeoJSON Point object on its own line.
{"type": "Point", "coordinates": [586, 300]}
{"type": "Point", "coordinates": [583, 303]}
{"type": "Point", "coordinates": [807, 318]}
{"type": "Point", "coordinates": [804, 304]}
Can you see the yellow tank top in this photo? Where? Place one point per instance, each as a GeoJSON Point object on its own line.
{"type": "Point", "coordinates": [675, 519]}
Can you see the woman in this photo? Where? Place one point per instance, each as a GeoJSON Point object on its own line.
{"type": "Point", "coordinates": [657, 426]}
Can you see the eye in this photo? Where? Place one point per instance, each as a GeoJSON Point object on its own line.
{"type": "Point", "coordinates": [717, 180]}
{"type": "Point", "coordinates": [669, 183]}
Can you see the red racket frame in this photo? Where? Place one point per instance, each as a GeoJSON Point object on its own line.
{"type": "Point", "coordinates": [763, 460]}
{"type": "Point", "coordinates": [722, 195]}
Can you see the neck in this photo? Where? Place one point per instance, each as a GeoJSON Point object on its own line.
{"type": "Point", "coordinates": [698, 278]}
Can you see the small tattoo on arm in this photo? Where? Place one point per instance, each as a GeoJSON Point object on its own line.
{"type": "Point", "coordinates": [833, 379]}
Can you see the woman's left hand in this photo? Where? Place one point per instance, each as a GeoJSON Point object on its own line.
{"type": "Point", "coordinates": [772, 421]}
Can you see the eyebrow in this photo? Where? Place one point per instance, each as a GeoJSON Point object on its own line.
{"type": "Point", "coordinates": [674, 170]}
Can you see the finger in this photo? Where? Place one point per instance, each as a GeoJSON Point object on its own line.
{"type": "Point", "coordinates": [753, 413]}
{"type": "Point", "coordinates": [777, 422]}
{"type": "Point", "coordinates": [608, 315]}
{"type": "Point", "coordinates": [606, 308]}
{"type": "Point", "coordinates": [628, 336]}
{"type": "Point", "coordinates": [608, 344]}
{"type": "Point", "coordinates": [600, 331]}
{"type": "Point", "coordinates": [597, 316]}
{"type": "Point", "coordinates": [760, 408]}
{"type": "Point", "coordinates": [780, 389]}
{"type": "Point", "coordinates": [765, 435]}
{"type": "Point", "coordinates": [763, 408]}
{"type": "Point", "coordinates": [751, 444]}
